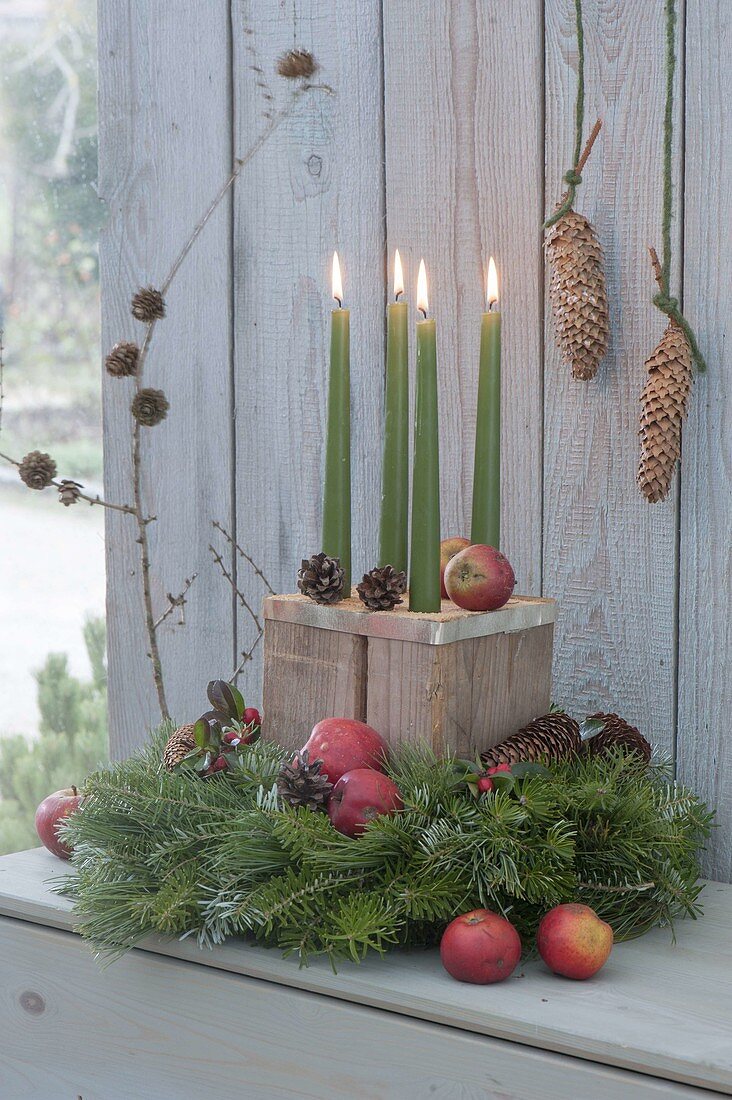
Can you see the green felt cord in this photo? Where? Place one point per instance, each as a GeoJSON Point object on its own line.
{"type": "Point", "coordinates": [663, 300]}
{"type": "Point", "coordinates": [573, 178]}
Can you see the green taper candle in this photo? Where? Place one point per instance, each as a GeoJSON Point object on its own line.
{"type": "Point", "coordinates": [393, 541]}
{"type": "Point", "coordinates": [337, 492]}
{"type": "Point", "coordinates": [486, 525]}
{"type": "Point", "coordinates": [424, 578]}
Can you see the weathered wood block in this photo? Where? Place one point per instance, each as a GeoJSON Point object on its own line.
{"type": "Point", "coordinates": [460, 680]}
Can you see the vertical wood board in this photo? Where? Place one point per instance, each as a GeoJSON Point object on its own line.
{"type": "Point", "coordinates": [610, 558]}
{"type": "Point", "coordinates": [705, 623]}
{"type": "Point", "coordinates": [164, 110]}
{"type": "Point", "coordinates": [315, 187]}
{"type": "Point", "coordinates": [463, 109]}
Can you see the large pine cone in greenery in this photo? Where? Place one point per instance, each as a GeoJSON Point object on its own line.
{"type": "Point", "coordinates": [617, 733]}
{"type": "Point", "coordinates": [578, 294]}
{"type": "Point", "coordinates": [321, 578]}
{"type": "Point", "coordinates": [301, 784]}
{"type": "Point", "coordinates": [553, 737]}
{"type": "Point", "coordinates": [37, 470]}
{"type": "Point", "coordinates": [664, 403]}
{"type": "Point", "coordinates": [382, 589]}
{"type": "Point", "coordinates": [179, 745]}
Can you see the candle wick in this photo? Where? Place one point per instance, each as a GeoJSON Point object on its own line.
{"type": "Point", "coordinates": [398, 295]}
{"type": "Point", "coordinates": [423, 312]}
{"type": "Point", "coordinates": [339, 301]}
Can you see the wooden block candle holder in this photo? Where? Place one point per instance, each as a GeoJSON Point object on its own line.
{"type": "Point", "coordinates": [461, 680]}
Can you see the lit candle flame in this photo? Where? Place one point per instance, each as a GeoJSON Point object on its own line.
{"type": "Point", "coordinates": [491, 289]}
{"type": "Point", "coordinates": [398, 275]}
{"type": "Point", "coordinates": [337, 281]}
{"type": "Point", "coordinates": [422, 303]}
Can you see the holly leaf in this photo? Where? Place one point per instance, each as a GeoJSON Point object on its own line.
{"type": "Point", "coordinates": [221, 697]}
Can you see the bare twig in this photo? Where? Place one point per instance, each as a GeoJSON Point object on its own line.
{"type": "Point", "coordinates": [656, 265]}
{"type": "Point", "coordinates": [246, 656]}
{"type": "Point", "coordinates": [237, 591]}
{"type": "Point", "coordinates": [85, 496]}
{"type": "Point", "coordinates": [235, 546]}
{"type": "Point", "coordinates": [142, 539]}
{"type": "Point", "coordinates": [177, 601]}
{"type": "Point", "coordinates": [274, 123]}
{"type": "Point", "coordinates": [588, 146]}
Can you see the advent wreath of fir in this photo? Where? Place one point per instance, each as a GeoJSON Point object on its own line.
{"type": "Point", "coordinates": [172, 853]}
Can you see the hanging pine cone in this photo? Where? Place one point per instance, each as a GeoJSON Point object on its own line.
{"type": "Point", "coordinates": [382, 589]}
{"type": "Point", "coordinates": [122, 360]}
{"type": "Point", "coordinates": [68, 492]}
{"type": "Point", "coordinates": [553, 737]}
{"type": "Point", "coordinates": [321, 578]}
{"type": "Point", "coordinates": [297, 64]}
{"type": "Point", "coordinates": [617, 733]}
{"type": "Point", "coordinates": [149, 407]}
{"type": "Point", "coordinates": [180, 743]}
{"type": "Point", "coordinates": [148, 305]}
{"type": "Point", "coordinates": [578, 294]}
{"type": "Point", "coordinates": [301, 784]}
{"type": "Point", "coordinates": [37, 470]}
{"type": "Point", "coordinates": [664, 404]}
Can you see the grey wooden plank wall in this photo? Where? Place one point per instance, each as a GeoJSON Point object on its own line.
{"type": "Point", "coordinates": [447, 137]}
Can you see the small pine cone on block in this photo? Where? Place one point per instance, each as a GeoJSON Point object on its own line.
{"type": "Point", "coordinates": [578, 293]}
{"type": "Point", "coordinates": [321, 578]}
{"type": "Point", "coordinates": [180, 743]}
{"type": "Point", "coordinates": [382, 589]}
{"type": "Point", "coordinates": [664, 404]}
{"type": "Point", "coordinates": [550, 738]}
{"type": "Point", "coordinates": [300, 783]}
{"type": "Point", "coordinates": [617, 733]}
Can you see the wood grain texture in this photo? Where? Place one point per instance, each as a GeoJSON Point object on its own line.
{"type": "Point", "coordinates": [165, 148]}
{"type": "Point", "coordinates": [705, 625]}
{"type": "Point", "coordinates": [162, 1029]}
{"type": "Point", "coordinates": [317, 187]}
{"type": "Point", "coordinates": [610, 558]}
{"type": "Point", "coordinates": [657, 1008]}
{"type": "Point", "coordinates": [463, 110]}
{"type": "Point", "coordinates": [463, 697]}
{"type": "Point", "coordinates": [309, 674]}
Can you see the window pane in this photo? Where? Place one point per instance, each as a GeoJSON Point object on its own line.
{"type": "Point", "coordinates": [52, 722]}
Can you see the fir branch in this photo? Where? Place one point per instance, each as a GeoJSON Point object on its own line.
{"type": "Point", "coordinates": [178, 855]}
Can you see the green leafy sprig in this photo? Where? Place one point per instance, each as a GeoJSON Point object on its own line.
{"type": "Point", "coordinates": [165, 853]}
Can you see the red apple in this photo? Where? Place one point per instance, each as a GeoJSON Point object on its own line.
{"type": "Point", "coordinates": [480, 947]}
{"type": "Point", "coordinates": [359, 796]}
{"type": "Point", "coordinates": [344, 744]}
{"type": "Point", "coordinates": [51, 813]}
{"type": "Point", "coordinates": [448, 549]}
{"type": "Point", "coordinates": [479, 578]}
{"type": "Point", "coordinates": [573, 941]}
